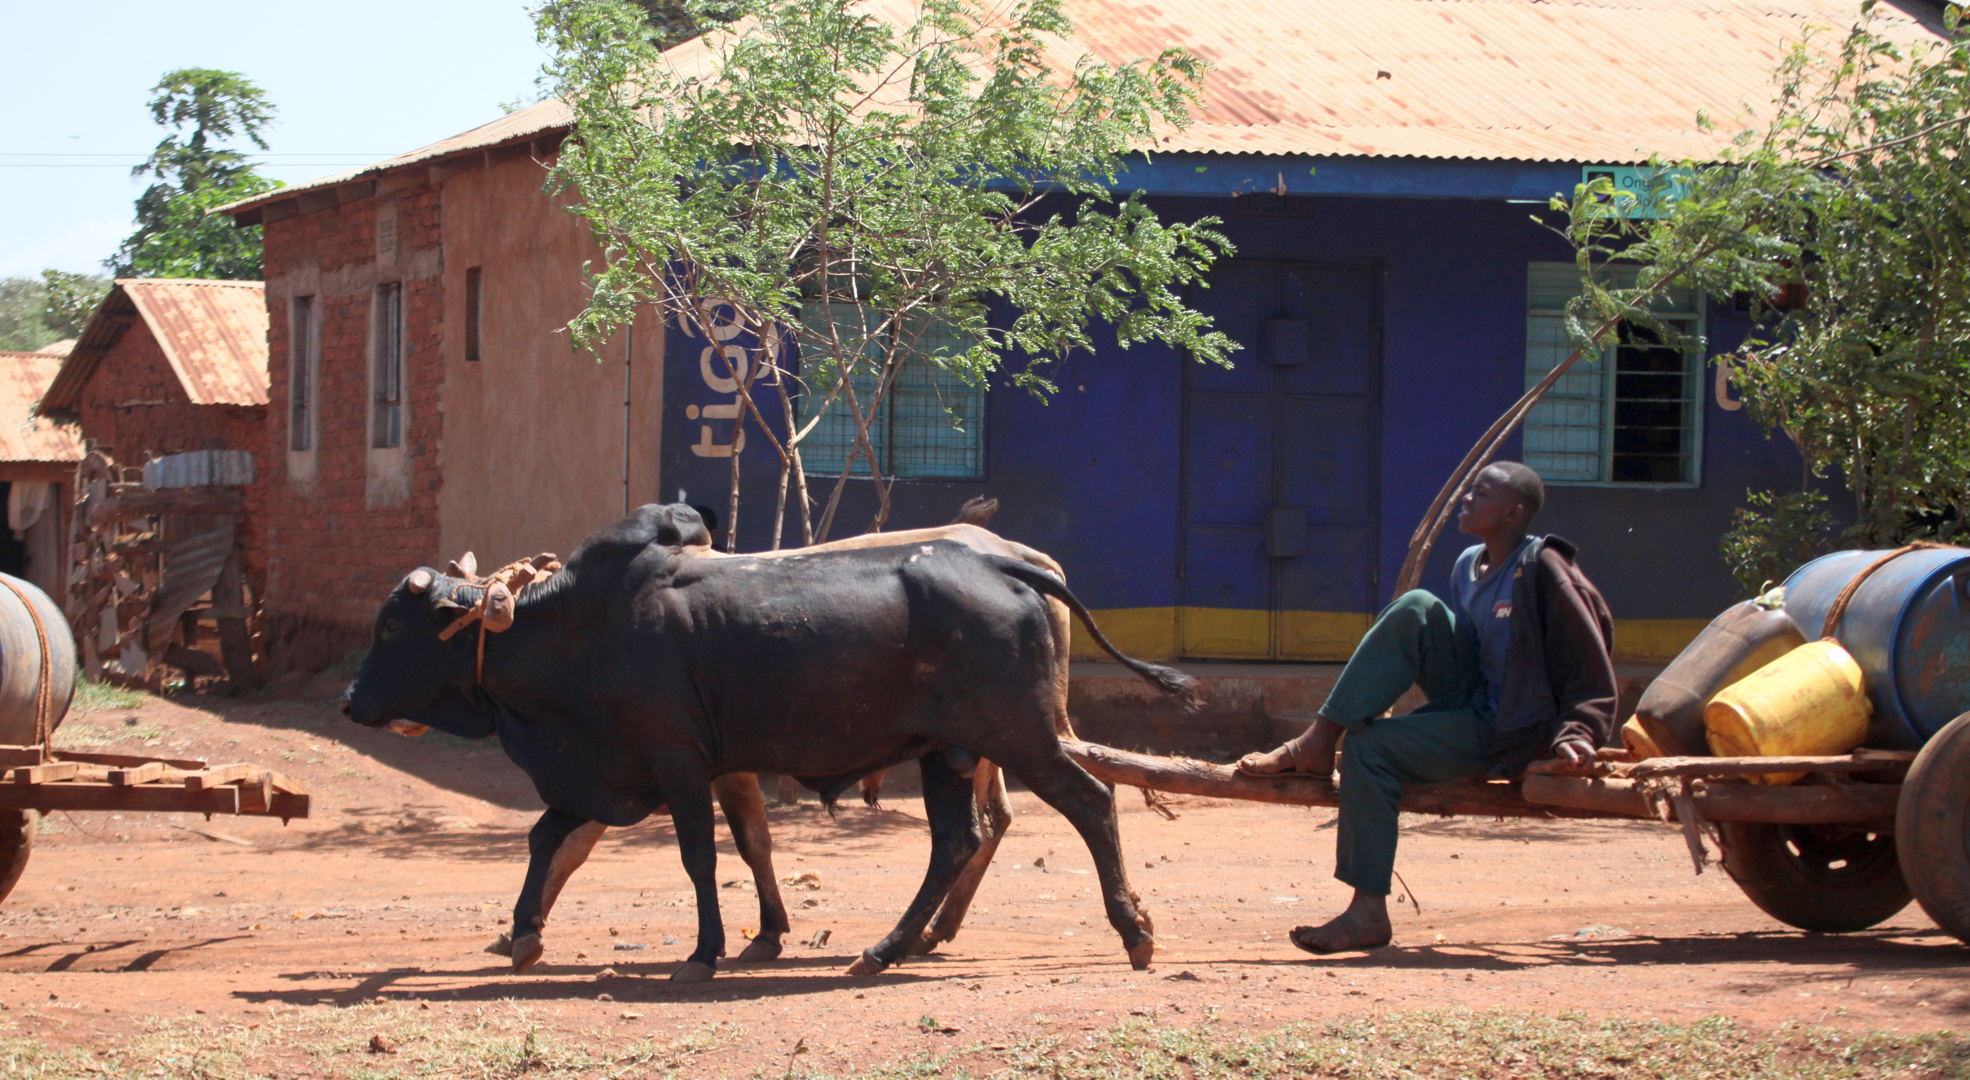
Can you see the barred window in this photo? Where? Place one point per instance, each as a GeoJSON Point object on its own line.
{"type": "Point", "coordinates": [1630, 415]}
{"type": "Point", "coordinates": [929, 426]}
{"type": "Point", "coordinates": [301, 342]}
{"type": "Point", "coordinates": [387, 368]}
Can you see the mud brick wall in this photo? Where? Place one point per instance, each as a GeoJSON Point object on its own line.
{"type": "Point", "coordinates": [134, 406]}
{"type": "Point", "coordinates": [347, 521]}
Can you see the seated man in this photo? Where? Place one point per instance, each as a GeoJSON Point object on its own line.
{"type": "Point", "coordinates": [1515, 663]}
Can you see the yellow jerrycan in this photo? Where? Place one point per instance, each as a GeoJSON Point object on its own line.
{"type": "Point", "coordinates": [1809, 701]}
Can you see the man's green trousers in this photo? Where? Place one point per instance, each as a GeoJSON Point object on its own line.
{"type": "Point", "coordinates": [1415, 641]}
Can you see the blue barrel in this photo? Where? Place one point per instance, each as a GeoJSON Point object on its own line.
{"type": "Point", "coordinates": [1908, 626]}
{"type": "Point", "coordinates": [20, 662]}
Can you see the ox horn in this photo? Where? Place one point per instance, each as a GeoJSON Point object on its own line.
{"type": "Point", "coordinates": [419, 580]}
{"type": "Point", "coordinates": [465, 566]}
{"type": "Point", "coordinates": [499, 608]}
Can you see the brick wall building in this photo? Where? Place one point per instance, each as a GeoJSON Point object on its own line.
{"type": "Point", "coordinates": [171, 365]}
{"type": "Point", "coordinates": [37, 472]}
{"type": "Point", "coordinates": [423, 401]}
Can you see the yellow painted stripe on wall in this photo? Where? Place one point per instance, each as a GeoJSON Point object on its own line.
{"type": "Point", "coordinates": [1321, 635]}
{"type": "Point", "coordinates": [1230, 633]}
{"type": "Point", "coordinates": [1146, 633]}
{"type": "Point", "coordinates": [1166, 633]}
{"type": "Point", "coordinates": [1653, 641]}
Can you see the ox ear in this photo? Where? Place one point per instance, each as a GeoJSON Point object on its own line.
{"type": "Point", "coordinates": [445, 603]}
{"type": "Point", "coordinates": [419, 580]}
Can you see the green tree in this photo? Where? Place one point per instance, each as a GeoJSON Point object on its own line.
{"type": "Point", "coordinates": [23, 301]}
{"type": "Point", "coordinates": [871, 196]}
{"type": "Point", "coordinates": [38, 313]}
{"type": "Point", "coordinates": [176, 234]}
{"type": "Point", "coordinates": [69, 300]}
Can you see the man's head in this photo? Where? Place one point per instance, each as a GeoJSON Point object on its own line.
{"type": "Point", "coordinates": [1502, 502]}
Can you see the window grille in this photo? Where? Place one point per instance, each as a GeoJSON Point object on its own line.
{"type": "Point", "coordinates": [301, 375]}
{"type": "Point", "coordinates": [929, 426]}
{"type": "Point", "coordinates": [387, 374]}
{"type": "Point", "coordinates": [1629, 415]}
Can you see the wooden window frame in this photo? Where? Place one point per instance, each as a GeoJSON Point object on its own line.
{"type": "Point", "coordinates": [388, 351]}
{"type": "Point", "coordinates": [474, 312]}
{"type": "Point", "coordinates": [303, 367]}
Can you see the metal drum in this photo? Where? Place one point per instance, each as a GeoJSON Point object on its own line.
{"type": "Point", "coordinates": [1908, 626]}
{"type": "Point", "coordinates": [20, 662]}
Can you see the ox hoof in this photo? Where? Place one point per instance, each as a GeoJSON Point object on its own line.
{"type": "Point", "coordinates": [527, 951]}
{"type": "Point", "coordinates": [867, 964]}
{"type": "Point", "coordinates": [501, 945]}
{"type": "Point", "coordinates": [762, 949]}
{"type": "Point", "coordinates": [1143, 952]}
{"type": "Point", "coordinates": [691, 971]}
{"type": "Point", "coordinates": [925, 944]}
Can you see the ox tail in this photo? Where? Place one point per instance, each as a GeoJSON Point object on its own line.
{"type": "Point", "coordinates": [1167, 679]}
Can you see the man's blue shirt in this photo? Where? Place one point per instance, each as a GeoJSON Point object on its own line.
{"type": "Point", "coordinates": [1483, 603]}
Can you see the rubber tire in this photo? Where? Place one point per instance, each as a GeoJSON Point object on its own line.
{"type": "Point", "coordinates": [1801, 890]}
{"type": "Point", "coordinates": [16, 844]}
{"type": "Point", "coordinates": [1932, 827]}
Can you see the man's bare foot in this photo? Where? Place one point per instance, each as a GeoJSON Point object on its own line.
{"type": "Point", "coordinates": [1312, 753]}
{"type": "Point", "coordinates": [1364, 925]}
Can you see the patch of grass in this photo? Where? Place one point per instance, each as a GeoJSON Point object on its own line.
{"type": "Point", "coordinates": [504, 1041]}
{"type": "Point", "coordinates": [345, 669]}
{"type": "Point", "coordinates": [1493, 1044]}
{"type": "Point", "coordinates": [99, 697]}
{"type": "Point", "coordinates": [500, 1041]}
{"type": "Point", "coordinates": [80, 736]}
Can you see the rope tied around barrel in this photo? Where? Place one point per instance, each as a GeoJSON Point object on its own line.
{"type": "Point", "coordinates": [44, 697]}
{"type": "Point", "coordinates": [1839, 609]}
{"type": "Point", "coordinates": [498, 592]}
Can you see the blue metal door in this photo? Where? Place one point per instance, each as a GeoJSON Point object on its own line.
{"type": "Point", "coordinates": [1279, 471]}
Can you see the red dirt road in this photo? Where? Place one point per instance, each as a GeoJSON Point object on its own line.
{"type": "Point", "coordinates": [416, 849]}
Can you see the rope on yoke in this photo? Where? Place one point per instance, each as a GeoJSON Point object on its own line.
{"type": "Point", "coordinates": [43, 734]}
{"type": "Point", "coordinates": [497, 592]}
{"type": "Point", "coordinates": [1839, 609]}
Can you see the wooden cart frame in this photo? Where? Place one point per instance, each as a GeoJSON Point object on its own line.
{"type": "Point", "coordinates": [1843, 849]}
{"type": "Point", "coordinates": [36, 779]}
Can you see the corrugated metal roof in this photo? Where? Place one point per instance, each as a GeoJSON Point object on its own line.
{"type": "Point", "coordinates": [1600, 81]}
{"type": "Point", "coordinates": [1593, 81]}
{"type": "Point", "coordinates": [24, 377]}
{"type": "Point", "coordinates": [537, 119]}
{"type": "Point", "coordinates": [213, 334]}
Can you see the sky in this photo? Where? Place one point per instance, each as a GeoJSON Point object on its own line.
{"type": "Point", "coordinates": [354, 82]}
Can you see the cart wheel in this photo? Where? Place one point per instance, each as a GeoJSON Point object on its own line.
{"type": "Point", "coordinates": [1932, 827]}
{"type": "Point", "coordinates": [16, 843]}
{"type": "Point", "coordinates": [1833, 879]}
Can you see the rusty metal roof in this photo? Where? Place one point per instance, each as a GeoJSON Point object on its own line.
{"type": "Point", "coordinates": [1593, 81]}
{"type": "Point", "coordinates": [213, 334]}
{"type": "Point", "coordinates": [24, 376]}
{"type": "Point", "coordinates": [518, 126]}
{"type": "Point", "coordinates": [1596, 81]}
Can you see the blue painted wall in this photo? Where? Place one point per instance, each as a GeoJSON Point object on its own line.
{"type": "Point", "coordinates": [1093, 476]}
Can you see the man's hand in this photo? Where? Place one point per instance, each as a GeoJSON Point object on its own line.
{"type": "Point", "coordinates": [1575, 750]}
{"type": "Point", "coordinates": [1572, 756]}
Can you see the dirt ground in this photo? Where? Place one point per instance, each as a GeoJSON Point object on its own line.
{"type": "Point", "coordinates": [416, 848]}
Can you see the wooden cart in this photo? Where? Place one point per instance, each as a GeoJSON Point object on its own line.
{"type": "Point", "coordinates": [1841, 850]}
{"type": "Point", "coordinates": [37, 781]}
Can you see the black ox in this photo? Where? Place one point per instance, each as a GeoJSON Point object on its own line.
{"type": "Point", "coordinates": [637, 675]}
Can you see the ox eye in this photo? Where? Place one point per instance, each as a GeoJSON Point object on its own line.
{"type": "Point", "coordinates": [391, 626]}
